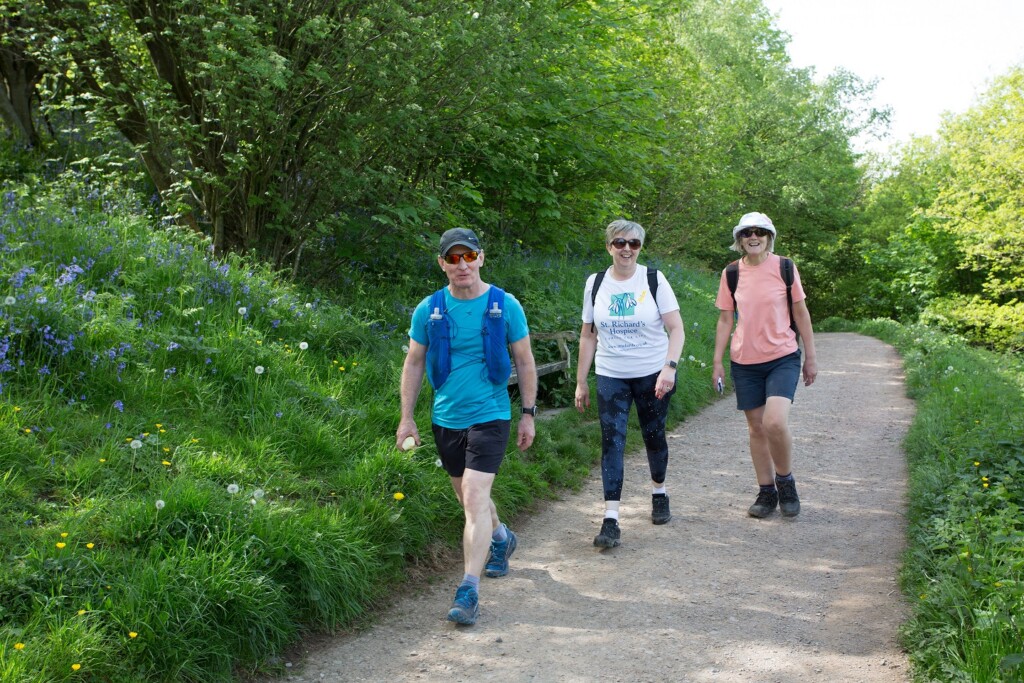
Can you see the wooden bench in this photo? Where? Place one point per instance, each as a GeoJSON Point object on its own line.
{"type": "Point", "coordinates": [563, 364]}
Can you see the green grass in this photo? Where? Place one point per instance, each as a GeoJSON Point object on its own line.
{"type": "Point", "coordinates": [197, 458]}
{"type": "Point", "coordinates": [964, 568]}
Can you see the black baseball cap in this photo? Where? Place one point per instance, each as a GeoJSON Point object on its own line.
{"type": "Point", "coordinates": [457, 236]}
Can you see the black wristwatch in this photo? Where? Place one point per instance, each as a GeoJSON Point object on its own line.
{"type": "Point", "coordinates": [671, 363]}
{"type": "Point", "coordinates": [530, 411]}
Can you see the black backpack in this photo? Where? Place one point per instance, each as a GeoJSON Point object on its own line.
{"type": "Point", "coordinates": [732, 278]}
{"type": "Point", "coordinates": [652, 284]}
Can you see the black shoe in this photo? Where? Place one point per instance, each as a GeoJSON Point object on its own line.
{"type": "Point", "coordinates": [609, 536]}
{"type": "Point", "coordinates": [765, 503]}
{"type": "Point", "coordinates": [789, 502]}
{"type": "Point", "coordinates": [660, 513]}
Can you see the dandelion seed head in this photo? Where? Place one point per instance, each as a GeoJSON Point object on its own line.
{"type": "Point", "coordinates": [10, 300]}
{"type": "Point", "coordinates": [232, 489]}
{"type": "Point", "coordinates": [303, 346]}
{"type": "Point", "coordinates": [260, 369]}
{"type": "Point", "coordinates": [243, 310]}
{"type": "Point", "coordinates": [135, 444]}
{"type": "Point", "coordinates": [258, 494]}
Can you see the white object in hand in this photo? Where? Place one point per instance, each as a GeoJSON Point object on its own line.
{"type": "Point", "coordinates": [409, 443]}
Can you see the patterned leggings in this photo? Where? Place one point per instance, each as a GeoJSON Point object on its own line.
{"type": "Point", "coordinates": [614, 397]}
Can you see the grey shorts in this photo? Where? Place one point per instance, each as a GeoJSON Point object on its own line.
{"type": "Point", "coordinates": [756, 382]}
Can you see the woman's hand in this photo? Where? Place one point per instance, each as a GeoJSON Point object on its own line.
{"type": "Point", "coordinates": [718, 377]}
{"type": "Point", "coordinates": [582, 396]}
{"type": "Point", "coordinates": [666, 381]}
{"type": "Point", "coordinates": [810, 371]}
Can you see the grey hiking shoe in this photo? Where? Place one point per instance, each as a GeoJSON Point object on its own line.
{"type": "Point", "coordinates": [789, 502]}
{"type": "Point", "coordinates": [765, 504]}
{"type": "Point", "coordinates": [660, 513]}
{"type": "Point", "coordinates": [465, 607]}
{"type": "Point", "coordinates": [497, 563]}
{"type": "Point", "coordinates": [609, 534]}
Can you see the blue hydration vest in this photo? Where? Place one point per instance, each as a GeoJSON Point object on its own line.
{"type": "Point", "coordinates": [439, 347]}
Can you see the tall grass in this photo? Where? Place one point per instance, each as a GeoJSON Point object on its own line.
{"type": "Point", "coordinates": [196, 457]}
{"type": "Point", "coordinates": [964, 569]}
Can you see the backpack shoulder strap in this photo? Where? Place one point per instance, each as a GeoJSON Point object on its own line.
{"type": "Point", "coordinates": [732, 278]}
{"type": "Point", "coordinates": [439, 362]}
{"type": "Point", "coordinates": [598, 278]}
{"type": "Point", "coordinates": [786, 271]}
{"type": "Point", "coordinates": [652, 284]}
{"type": "Point", "coordinates": [495, 301]}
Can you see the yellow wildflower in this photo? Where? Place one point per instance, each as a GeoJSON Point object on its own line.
{"type": "Point", "coordinates": [81, 612]}
{"type": "Point", "coordinates": [76, 667]}
{"type": "Point", "coordinates": [19, 646]}
{"type": "Point", "coordinates": [133, 634]}
{"type": "Point", "coordinates": [63, 534]}
{"type": "Point", "coordinates": [158, 425]}
{"type": "Point", "coordinates": [61, 546]}
{"type": "Point", "coordinates": [90, 546]}
{"type": "Point", "coordinates": [399, 496]}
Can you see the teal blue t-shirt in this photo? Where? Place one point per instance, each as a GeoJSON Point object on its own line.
{"type": "Point", "coordinates": [467, 397]}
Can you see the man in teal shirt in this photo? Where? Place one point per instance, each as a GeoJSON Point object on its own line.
{"type": "Point", "coordinates": [453, 341]}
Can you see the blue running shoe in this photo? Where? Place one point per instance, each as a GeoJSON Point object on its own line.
{"type": "Point", "coordinates": [465, 606]}
{"type": "Point", "coordinates": [497, 563]}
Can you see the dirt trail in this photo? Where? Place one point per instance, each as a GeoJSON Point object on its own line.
{"type": "Point", "coordinates": [712, 596]}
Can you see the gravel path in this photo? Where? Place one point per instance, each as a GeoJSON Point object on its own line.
{"type": "Point", "coordinates": [713, 596]}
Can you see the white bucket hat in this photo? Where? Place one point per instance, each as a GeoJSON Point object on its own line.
{"type": "Point", "coordinates": [754, 219]}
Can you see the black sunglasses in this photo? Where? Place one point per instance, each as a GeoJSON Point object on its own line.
{"type": "Point", "coordinates": [620, 243]}
{"type": "Point", "coordinates": [760, 232]}
{"type": "Point", "coordinates": [467, 256]}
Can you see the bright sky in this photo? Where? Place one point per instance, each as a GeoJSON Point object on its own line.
{"type": "Point", "coordinates": [930, 56]}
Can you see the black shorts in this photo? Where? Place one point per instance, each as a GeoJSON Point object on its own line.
{"type": "Point", "coordinates": [480, 447]}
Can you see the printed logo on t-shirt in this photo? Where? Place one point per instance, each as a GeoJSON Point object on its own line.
{"type": "Point", "coordinates": [623, 304]}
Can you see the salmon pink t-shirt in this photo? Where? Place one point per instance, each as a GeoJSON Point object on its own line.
{"type": "Point", "coordinates": [762, 331]}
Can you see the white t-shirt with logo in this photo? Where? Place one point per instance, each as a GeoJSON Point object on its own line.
{"type": "Point", "coordinates": [631, 338]}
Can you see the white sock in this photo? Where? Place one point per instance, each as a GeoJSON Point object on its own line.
{"type": "Point", "coordinates": [660, 489]}
{"type": "Point", "coordinates": [612, 514]}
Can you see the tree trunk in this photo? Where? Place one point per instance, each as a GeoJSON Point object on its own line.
{"type": "Point", "coordinates": [19, 75]}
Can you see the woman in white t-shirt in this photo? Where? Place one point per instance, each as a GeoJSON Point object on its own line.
{"type": "Point", "coordinates": [765, 357]}
{"type": "Point", "coordinates": [624, 331]}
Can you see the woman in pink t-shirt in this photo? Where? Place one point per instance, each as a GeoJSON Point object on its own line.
{"type": "Point", "coordinates": [764, 358]}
